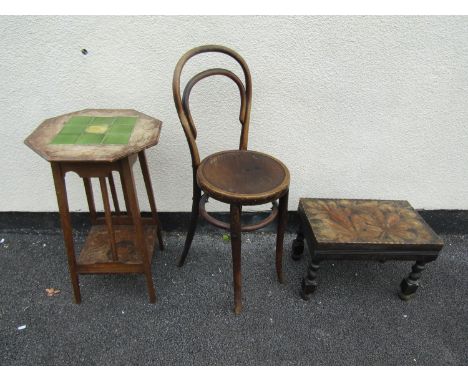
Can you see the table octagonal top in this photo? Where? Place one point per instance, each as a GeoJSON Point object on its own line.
{"type": "Point", "coordinates": [103, 135]}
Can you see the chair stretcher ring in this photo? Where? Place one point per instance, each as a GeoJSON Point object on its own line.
{"type": "Point", "coordinates": [247, 228]}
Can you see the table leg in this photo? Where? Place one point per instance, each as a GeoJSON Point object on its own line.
{"type": "Point", "coordinates": [124, 191]}
{"type": "Point", "coordinates": [410, 284]}
{"type": "Point", "coordinates": [90, 198]}
{"type": "Point", "coordinates": [282, 222]}
{"type": "Point", "coordinates": [140, 243]}
{"type": "Point", "coordinates": [236, 256]}
{"type": "Point", "coordinates": [298, 244]}
{"type": "Point", "coordinates": [150, 193]}
{"type": "Point", "coordinates": [115, 199]}
{"type": "Point", "coordinates": [309, 283]}
{"type": "Point", "coordinates": [108, 218]}
{"type": "Point", "coordinates": [65, 220]}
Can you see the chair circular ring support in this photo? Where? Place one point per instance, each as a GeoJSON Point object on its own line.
{"type": "Point", "coordinates": [247, 228]}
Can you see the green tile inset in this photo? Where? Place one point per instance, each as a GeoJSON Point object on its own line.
{"type": "Point", "coordinates": [96, 129]}
{"type": "Point", "coordinates": [116, 139]}
{"type": "Point", "coordinates": [125, 120]}
{"type": "Point", "coordinates": [89, 139]}
{"type": "Point", "coordinates": [79, 120]}
{"type": "Point", "coordinates": [102, 121]}
{"type": "Point", "coordinates": [72, 129]}
{"type": "Point", "coordinates": [88, 130]}
{"type": "Point", "coordinates": [65, 139]}
{"type": "Point", "coordinates": [120, 129]}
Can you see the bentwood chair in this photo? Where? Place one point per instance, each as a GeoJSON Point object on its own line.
{"type": "Point", "coordinates": [237, 177]}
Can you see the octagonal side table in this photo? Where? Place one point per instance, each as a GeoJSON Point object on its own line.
{"type": "Point", "coordinates": [94, 143]}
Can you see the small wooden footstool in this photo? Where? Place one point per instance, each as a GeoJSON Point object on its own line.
{"type": "Point", "coordinates": [341, 229]}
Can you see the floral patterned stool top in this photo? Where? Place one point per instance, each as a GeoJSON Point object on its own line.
{"type": "Point", "coordinates": [346, 229]}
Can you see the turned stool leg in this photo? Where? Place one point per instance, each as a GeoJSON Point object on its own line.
{"type": "Point", "coordinates": [298, 246]}
{"type": "Point", "coordinates": [282, 222]}
{"type": "Point", "coordinates": [61, 190]}
{"type": "Point", "coordinates": [410, 284]}
{"type": "Point", "coordinates": [236, 255]}
{"type": "Point", "coordinates": [309, 283]}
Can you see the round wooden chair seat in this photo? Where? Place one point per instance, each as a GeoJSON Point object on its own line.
{"type": "Point", "coordinates": [243, 176]}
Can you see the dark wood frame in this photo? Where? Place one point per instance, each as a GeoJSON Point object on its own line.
{"type": "Point", "coordinates": [235, 201]}
{"type": "Point", "coordinates": [421, 254]}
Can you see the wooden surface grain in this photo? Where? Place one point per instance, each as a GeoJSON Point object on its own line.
{"type": "Point", "coordinates": [367, 222]}
{"type": "Point", "coordinates": [97, 248]}
{"type": "Point", "coordinates": [145, 134]}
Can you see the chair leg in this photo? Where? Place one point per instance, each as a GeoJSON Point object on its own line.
{"type": "Point", "coordinates": [282, 222]}
{"type": "Point", "coordinates": [236, 255]}
{"type": "Point", "coordinates": [193, 223]}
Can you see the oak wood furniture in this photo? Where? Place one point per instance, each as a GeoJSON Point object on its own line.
{"type": "Point", "coordinates": [237, 177]}
{"type": "Point", "coordinates": [94, 143]}
{"type": "Point", "coordinates": [342, 229]}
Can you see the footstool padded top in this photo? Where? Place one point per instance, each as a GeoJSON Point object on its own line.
{"type": "Point", "coordinates": [371, 222]}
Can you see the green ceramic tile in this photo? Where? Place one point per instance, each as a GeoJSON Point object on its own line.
{"type": "Point", "coordinates": [123, 124]}
{"type": "Point", "coordinates": [65, 139]}
{"type": "Point", "coordinates": [89, 139]}
{"type": "Point", "coordinates": [116, 139]}
{"type": "Point", "coordinates": [88, 130]}
{"type": "Point", "coordinates": [102, 120]}
{"type": "Point", "coordinates": [125, 120]}
{"type": "Point", "coordinates": [80, 120]}
{"type": "Point", "coordinates": [72, 129]}
{"type": "Point", "coordinates": [120, 129]}
{"type": "Point", "coordinates": [96, 129]}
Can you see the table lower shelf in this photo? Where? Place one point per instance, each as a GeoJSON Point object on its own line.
{"type": "Point", "coordinates": [96, 255]}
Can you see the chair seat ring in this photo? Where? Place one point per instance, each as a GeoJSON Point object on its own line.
{"type": "Point", "coordinates": [246, 228]}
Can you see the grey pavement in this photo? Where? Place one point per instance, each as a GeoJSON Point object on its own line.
{"type": "Point", "coordinates": [354, 318]}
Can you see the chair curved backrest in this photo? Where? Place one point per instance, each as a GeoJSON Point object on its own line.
{"type": "Point", "coordinates": [182, 102]}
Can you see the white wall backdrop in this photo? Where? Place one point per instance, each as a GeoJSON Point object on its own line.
{"type": "Point", "coordinates": [358, 107]}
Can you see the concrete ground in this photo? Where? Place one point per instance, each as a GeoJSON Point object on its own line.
{"type": "Point", "coordinates": [354, 318]}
